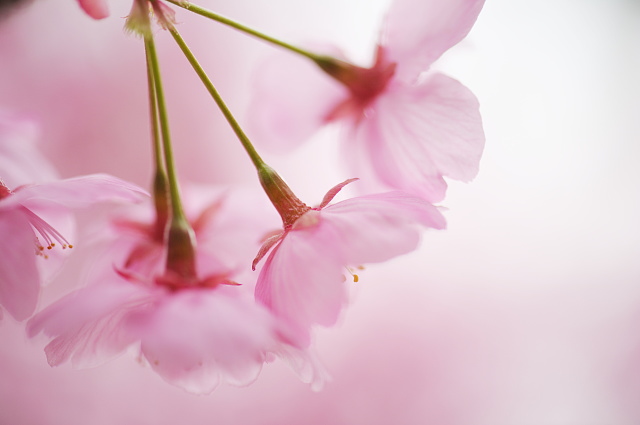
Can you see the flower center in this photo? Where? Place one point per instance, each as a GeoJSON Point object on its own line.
{"type": "Point", "coordinates": [4, 190]}
{"type": "Point", "coordinates": [364, 84]}
{"type": "Point", "coordinates": [309, 219]}
{"type": "Point", "coordinates": [48, 233]}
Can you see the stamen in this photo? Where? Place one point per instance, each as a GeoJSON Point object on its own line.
{"type": "Point", "coordinates": [355, 277]}
{"type": "Point", "coordinates": [49, 234]}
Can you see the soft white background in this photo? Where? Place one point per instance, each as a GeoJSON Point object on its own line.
{"type": "Point", "coordinates": [523, 312]}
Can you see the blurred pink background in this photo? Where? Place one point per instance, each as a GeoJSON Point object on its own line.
{"type": "Point", "coordinates": [523, 312]}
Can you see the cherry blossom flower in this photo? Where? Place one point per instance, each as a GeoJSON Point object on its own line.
{"type": "Point", "coordinates": [27, 236]}
{"type": "Point", "coordinates": [407, 127]}
{"type": "Point", "coordinates": [194, 332]}
{"type": "Point", "coordinates": [302, 280]}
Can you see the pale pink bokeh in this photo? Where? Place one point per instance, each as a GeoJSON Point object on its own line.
{"type": "Point", "coordinates": [21, 159]}
{"type": "Point", "coordinates": [524, 311]}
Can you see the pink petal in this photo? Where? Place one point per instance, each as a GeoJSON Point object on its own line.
{"type": "Point", "coordinates": [306, 365]}
{"type": "Point", "coordinates": [265, 248]}
{"type": "Point", "coordinates": [97, 9]}
{"type": "Point", "coordinates": [416, 134]}
{"type": "Point", "coordinates": [196, 339]}
{"type": "Point", "coordinates": [417, 32]}
{"type": "Point", "coordinates": [376, 228]}
{"type": "Point", "coordinates": [333, 192]}
{"type": "Point", "coordinates": [302, 282]}
{"type": "Point", "coordinates": [19, 280]}
{"type": "Point", "coordinates": [291, 100]}
{"type": "Point", "coordinates": [232, 235]}
{"type": "Point", "coordinates": [145, 257]}
{"type": "Point", "coordinates": [207, 215]}
{"type": "Point", "coordinates": [87, 326]}
{"type": "Point", "coordinates": [77, 192]}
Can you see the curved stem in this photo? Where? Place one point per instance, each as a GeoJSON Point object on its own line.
{"type": "Point", "coordinates": [153, 107]}
{"type": "Point", "coordinates": [176, 205]}
{"type": "Point", "coordinates": [243, 28]}
{"type": "Point", "coordinates": [181, 258]}
{"type": "Point", "coordinates": [246, 143]}
{"type": "Point", "coordinates": [283, 199]}
{"type": "Point", "coordinates": [160, 199]}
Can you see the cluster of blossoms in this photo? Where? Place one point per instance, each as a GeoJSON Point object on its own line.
{"type": "Point", "coordinates": [175, 279]}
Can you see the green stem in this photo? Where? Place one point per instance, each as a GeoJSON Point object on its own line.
{"type": "Point", "coordinates": [160, 199]}
{"type": "Point", "coordinates": [233, 24]}
{"type": "Point", "coordinates": [176, 204]}
{"type": "Point", "coordinates": [180, 235]}
{"type": "Point", "coordinates": [155, 125]}
{"type": "Point", "coordinates": [246, 143]}
{"type": "Point", "coordinates": [283, 199]}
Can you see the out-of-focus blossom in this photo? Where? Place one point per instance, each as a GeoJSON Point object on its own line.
{"type": "Point", "coordinates": [97, 9]}
{"type": "Point", "coordinates": [224, 222]}
{"type": "Point", "coordinates": [303, 279]}
{"type": "Point", "coordinates": [194, 332]}
{"type": "Point", "coordinates": [407, 128]}
{"type": "Point", "coordinates": [193, 337]}
{"type": "Point", "coordinates": [26, 235]}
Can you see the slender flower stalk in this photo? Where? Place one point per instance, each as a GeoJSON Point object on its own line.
{"type": "Point", "coordinates": [287, 204]}
{"type": "Point", "coordinates": [155, 122]}
{"type": "Point", "coordinates": [160, 198]}
{"type": "Point", "coordinates": [243, 28]}
{"type": "Point", "coordinates": [180, 238]}
{"type": "Point", "coordinates": [246, 143]}
{"type": "Point", "coordinates": [176, 205]}
{"type": "Point", "coordinates": [341, 70]}
{"type": "Point", "coordinates": [284, 200]}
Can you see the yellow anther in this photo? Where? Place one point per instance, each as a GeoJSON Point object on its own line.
{"type": "Point", "coordinates": [356, 278]}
